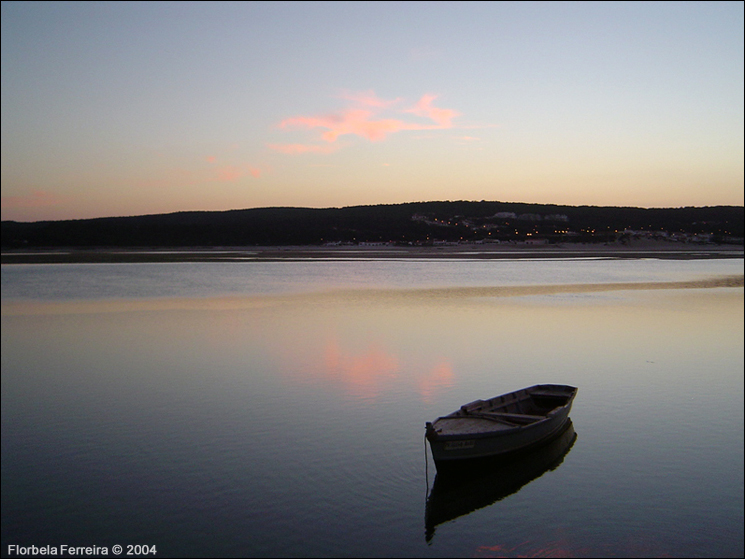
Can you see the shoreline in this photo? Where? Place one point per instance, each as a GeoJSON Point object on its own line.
{"type": "Point", "coordinates": [635, 250]}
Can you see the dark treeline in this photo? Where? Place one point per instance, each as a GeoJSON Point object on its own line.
{"type": "Point", "coordinates": [418, 222]}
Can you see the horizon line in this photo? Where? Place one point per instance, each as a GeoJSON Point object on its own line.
{"type": "Point", "coordinates": [373, 205]}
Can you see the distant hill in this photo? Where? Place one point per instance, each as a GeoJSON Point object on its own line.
{"type": "Point", "coordinates": [415, 223]}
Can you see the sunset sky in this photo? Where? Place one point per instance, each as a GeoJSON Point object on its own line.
{"type": "Point", "coordinates": [112, 109]}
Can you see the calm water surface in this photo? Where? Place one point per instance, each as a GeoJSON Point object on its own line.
{"type": "Point", "coordinates": [278, 409]}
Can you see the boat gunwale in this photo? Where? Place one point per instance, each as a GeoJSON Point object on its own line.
{"type": "Point", "coordinates": [462, 413]}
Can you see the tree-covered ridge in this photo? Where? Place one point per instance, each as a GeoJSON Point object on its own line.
{"type": "Point", "coordinates": [415, 223]}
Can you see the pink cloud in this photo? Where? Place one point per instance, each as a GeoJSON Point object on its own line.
{"type": "Point", "coordinates": [301, 148]}
{"type": "Point", "coordinates": [358, 122]}
{"type": "Point", "coordinates": [211, 158]}
{"type": "Point", "coordinates": [424, 108]}
{"type": "Point", "coordinates": [352, 121]}
{"type": "Point", "coordinates": [362, 120]}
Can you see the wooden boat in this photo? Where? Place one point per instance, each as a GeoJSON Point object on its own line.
{"type": "Point", "coordinates": [461, 490]}
{"type": "Point", "coordinates": [502, 425]}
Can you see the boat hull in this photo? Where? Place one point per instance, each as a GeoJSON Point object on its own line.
{"type": "Point", "coordinates": [465, 486]}
{"type": "Point", "coordinates": [502, 442]}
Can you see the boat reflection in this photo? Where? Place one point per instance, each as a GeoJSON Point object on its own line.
{"type": "Point", "coordinates": [464, 488]}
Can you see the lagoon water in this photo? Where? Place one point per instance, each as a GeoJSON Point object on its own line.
{"type": "Point", "coordinates": [278, 408]}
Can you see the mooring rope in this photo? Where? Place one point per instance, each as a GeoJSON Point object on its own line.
{"type": "Point", "coordinates": [426, 468]}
